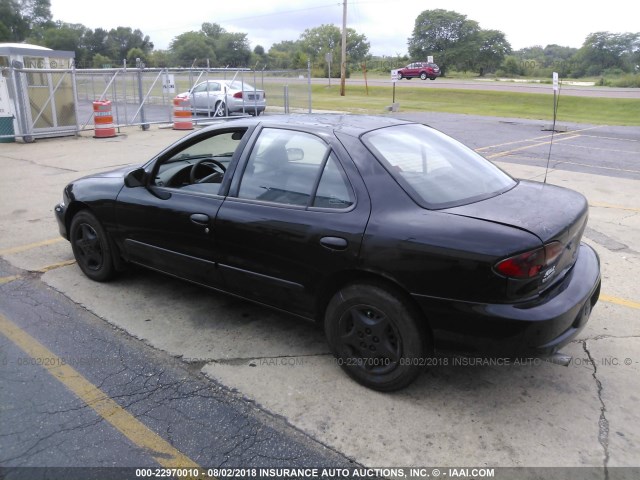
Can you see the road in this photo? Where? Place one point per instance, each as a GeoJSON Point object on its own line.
{"type": "Point", "coordinates": [571, 90]}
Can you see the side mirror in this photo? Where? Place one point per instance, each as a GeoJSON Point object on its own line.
{"type": "Point", "coordinates": [135, 178]}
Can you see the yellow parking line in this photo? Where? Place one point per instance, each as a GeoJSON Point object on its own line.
{"type": "Point", "coordinates": [620, 301]}
{"type": "Point", "coordinates": [539, 144]}
{"type": "Point", "coordinates": [30, 246]}
{"type": "Point", "coordinates": [53, 266]}
{"type": "Point", "coordinates": [4, 280]}
{"type": "Point", "coordinates": [161, 450]}
{"type": "Point", "coordinates": [616, 207]}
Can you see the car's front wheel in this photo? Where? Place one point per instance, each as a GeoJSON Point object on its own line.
{"type": "Point", "coordinates": [91, 247]}
{"type": "Point", "coordinates": [399, 75]}
{"type": "Point", "coordinates": [375, 335]}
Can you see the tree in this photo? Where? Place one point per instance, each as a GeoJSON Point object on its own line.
{"type": "Point", "coordinates": [214, 43]}
{"type": "Point", "coordinates": [192, 48]}
{"type": "Point", "coordinates": [492, 49]}
{"type": "Point", "coordinates": [232, 49]}
{"type": "Point", "coordinates": [160, 59]}
{"type": "Point", "coordinates": [446, 35]}
{"type": "Point", "coordinates": [287, 54]}
{"type": "Point", "coordinates": [65, 36]}
{"type": "Point", "coordinates": [95, 41]}
{"type": "Point", "coordinates": [122, 39]}
{"type": "Point", "coordinates": [136, 56]}
{"type": "Point", "coordinates": [37, 13]}
{"type": "Point", "coordinates": [317, 42]}
{"type": "Point", "coordinates": [259, 56]}
{"type": "Point", "coordinates": [604, 50]}
{"type": "Point", "coordinates": [100, 61]}
{"type": "Point", "coordinates": [511, 67]}
{"type": "Point", "coordinates": [14, 27]}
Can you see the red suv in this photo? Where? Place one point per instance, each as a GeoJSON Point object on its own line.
{"type": "Point", "coordinates": [423, 70]}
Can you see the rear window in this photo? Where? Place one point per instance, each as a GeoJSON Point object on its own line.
{"type": "Point", "coordinates": [237, 85]}
{"type": "Point", "coordinates": [433, 168]}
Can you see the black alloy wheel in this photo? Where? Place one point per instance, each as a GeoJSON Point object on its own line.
{"type": "Point", "coordinates": [375, 336]}
{"type": "Point", "coordinates": [91, 247]}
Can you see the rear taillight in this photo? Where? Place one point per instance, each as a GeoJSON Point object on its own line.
{"type": "Point", "coordinates": [531, 263]}
{"type": "Point", "coordinates": [237, 95]}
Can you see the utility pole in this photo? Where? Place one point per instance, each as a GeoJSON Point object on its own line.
{"type": "Point", "coordinates": [343, 63]}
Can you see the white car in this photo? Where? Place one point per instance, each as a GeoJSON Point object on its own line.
{"type": "Point", "coordinates": [223, 97]}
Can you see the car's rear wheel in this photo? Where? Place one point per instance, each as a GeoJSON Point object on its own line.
{"type": "Point", "coordinates": [91, 247]}
{"type": "Point", "coordinates": [423, 76]}
{"type": "Point", "coordinates": [376, 336]}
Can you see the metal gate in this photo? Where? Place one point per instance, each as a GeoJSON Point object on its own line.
{"type": "Point", "coordinates": [44, 101]}
{"type": "Point", "coordinates": [53, 102]}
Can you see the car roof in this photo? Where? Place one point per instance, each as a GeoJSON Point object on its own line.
{"type": "Point", "coordinates": [354, 125]}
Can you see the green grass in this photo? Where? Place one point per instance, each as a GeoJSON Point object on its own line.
{"type": "Point", "coordinates": [600, 111]}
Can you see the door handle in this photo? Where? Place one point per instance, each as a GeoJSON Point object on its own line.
{"type": "Point", "coordinates": [334, 243]}
{"type": "Point", "coordinates": [200, 219]}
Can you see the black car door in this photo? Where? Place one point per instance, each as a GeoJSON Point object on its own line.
{"type": "Point", "coordinates": [168, 223]}
{"type": "Point", "coordinates": [295, 216]}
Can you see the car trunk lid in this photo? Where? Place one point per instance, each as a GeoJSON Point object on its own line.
{"type": "Point", "coordinates": [553, 214]}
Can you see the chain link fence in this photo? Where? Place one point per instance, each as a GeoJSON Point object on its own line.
{"type": "Point", "coordinates": [57, 102]}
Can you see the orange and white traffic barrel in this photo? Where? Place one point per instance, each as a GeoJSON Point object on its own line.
{"type": "Point", "coordinates": [103, 119]}
{"type": "Point", "coordinates": [182, 119]}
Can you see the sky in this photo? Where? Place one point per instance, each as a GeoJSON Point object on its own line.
{"type": "Point", "coordinates": [386, 23]}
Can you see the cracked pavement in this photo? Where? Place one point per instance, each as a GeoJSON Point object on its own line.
{"type": "Point", "coordinates": [273, 366]}
{"type": "Point", "coordinates": [43, 424]}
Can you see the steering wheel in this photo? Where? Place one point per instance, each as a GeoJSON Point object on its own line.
{"type": "Point", "coordinates": [211, 163]}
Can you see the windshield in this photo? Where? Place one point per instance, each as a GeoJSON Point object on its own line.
{"type": "Point", "coordinates": [434, 169]}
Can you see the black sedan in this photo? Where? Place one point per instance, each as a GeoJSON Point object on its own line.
{"type": "Point", "coordinates": [402, 241]}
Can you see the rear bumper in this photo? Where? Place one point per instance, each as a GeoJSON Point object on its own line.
{"type": "Point", "coordinates": [532, 329]}
{"type": "Point", "coordinates": [246, 108]}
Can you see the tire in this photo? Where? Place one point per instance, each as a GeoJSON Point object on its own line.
{"type": "Point", "coordinates": [219, 110]}
{"type": "Point", "coordinates": [423, 76]}
{"type": "Point", "coordinates": [375, 336]}
{"type": "Point", "coordinates": [400, 77]}
{"type": "Point", "coordinates": [432, 78]}
{"type": "Point", "coordinates": [91, 247]}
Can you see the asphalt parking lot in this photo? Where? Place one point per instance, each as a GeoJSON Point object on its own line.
{"type": "Point", "coordinates": [536, 414]}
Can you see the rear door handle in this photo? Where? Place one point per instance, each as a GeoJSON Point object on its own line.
{"type": "Point", "coordinates": [334, 243]}
{"type": "Point", "coordinates": [200, 219]}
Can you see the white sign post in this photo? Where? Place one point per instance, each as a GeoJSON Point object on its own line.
{"type": "Point", "coordinates": [556, 86]}
{"type": "Point", "coordinates": [169, 83]}
{"type": "Point", "coordinates": [394, 79]}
